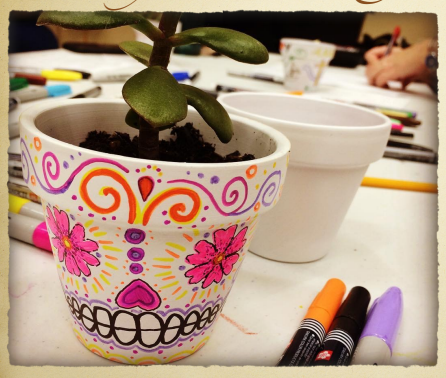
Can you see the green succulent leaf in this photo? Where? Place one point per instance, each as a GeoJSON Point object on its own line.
{"type": "Point", "coordinates": [137, 50]}
{"type": "Point", "coordinates": [211, 110]}
{"type": "Point", "coordinates": [236, 45]}
{"type": "Point", "coordinates": [132, 119]}
{"type": "Point", "coordinates": [89, 20]}
{"type": "Point", "coordinates": [156, 96]}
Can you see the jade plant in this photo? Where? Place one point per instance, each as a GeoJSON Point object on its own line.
{"type": "Point", "coordinates": [156, 99]}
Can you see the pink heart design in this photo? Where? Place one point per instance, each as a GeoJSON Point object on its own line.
{"type": "Point", "coordinates": [138, 294]}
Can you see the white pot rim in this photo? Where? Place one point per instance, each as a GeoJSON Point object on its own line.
{"type": "Point", "coordinates": [28, 117]}
{"type": "Point", "coordinates": [296, 125]}
{"type": "Point", "coordinates": [309, 42]}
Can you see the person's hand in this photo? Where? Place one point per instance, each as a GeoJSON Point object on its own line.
{"type": "Point", "coordinates": [404, 65]}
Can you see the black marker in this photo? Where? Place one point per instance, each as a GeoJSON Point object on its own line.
{"type": "Point", "coordinates": [341, 340]}
{"type": "Point", "coordinates": [308, 338]}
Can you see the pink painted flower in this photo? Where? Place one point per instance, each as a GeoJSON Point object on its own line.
{"type": "Point", "coordinates": [214, 260]}
{"type": "Point", "coordinates": [71, 245]}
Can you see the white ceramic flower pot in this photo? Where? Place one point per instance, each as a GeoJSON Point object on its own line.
{"type": "Point", "coordinates": [146, 251]}
{"type": "Point", "coordinates": [332, 147]}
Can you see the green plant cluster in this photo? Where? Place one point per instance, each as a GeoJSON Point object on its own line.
{"type": "Point", "coordinates": [156, 99]}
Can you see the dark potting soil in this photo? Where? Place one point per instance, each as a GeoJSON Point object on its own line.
{"type": "Point", "coordinates": [186, 146]}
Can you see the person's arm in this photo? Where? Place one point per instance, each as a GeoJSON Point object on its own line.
{"type": "Point", "coordinates": [404, 65]}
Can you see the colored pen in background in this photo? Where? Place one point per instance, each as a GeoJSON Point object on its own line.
{"type": "Point", "coordinates": [29, 230]}
{"type": "Point", "coordinates": [376, 343]}
{"type": "Point", "coordinates": [341, 340]}
{"type": "Point", "coordinates": [308, 338]}
{"type": "Point", "coordinates": [395, 36]}
{"type": "Point", "coordinates": [26, 207]}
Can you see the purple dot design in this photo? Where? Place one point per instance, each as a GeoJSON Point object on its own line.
{"type": "Point", "coordinates": [91, 215]}
{"type": "Point", "coordinates": [204, 300]}
{"type": "Point", "coordinates": [158, 169]}
{"type": "Point", "coordinates": [187, 305]}
{"type": "Point", "coordinates": [63, 268]}
{"type": "Point", "coordinates": [104, 218]}
{"type": "Point", "coordinates": [136, 268]}
{"type": "Point", "coordinates": [200, 175]}
{"type": "Point", "coordinates": [135, 254]}
{"type": "Point", "coordinates": [188, 172]}
{"type": "Point", "coordinates": [194, 226]}
{"type": "Point", "coordinates": [206, 235]}
{"type": "Point", "coordinates": [108, 300]}
{"type": "Point", "coordinates": [80, 208]}
{"type": "Point", "coordinates": [149, 166]}
{"type": "Point", "coordinates": [71, 157]}
{"type": "Point", "coordinates": [137, 170]}
{"type": "Point", "coordinates": [181, 267]}
{"type": "Point", "coordinates": [113, 217]}
{"type": "Point", "coordinates": [215, 180]}
{"type": "Point", "coordinates": [72, 217]}
{"type": "Point", "coordinates": [79, 154]}
{"type": "Point", "coordinates": [159, 180]}
{"type": "Point", "coordinates": [86, 295]}
{"type": "Point", "coordinates": [164, 212]}
{"type": "Point", "coordinates": [74, 197]}
{"type": "Point", "coordinates": [195, 288]}
{"type": "Point", "coordinates": [166, 222]}
{"type": "Point", "coordinates": [167, 306]}
{"type": "Point", "coordinates": [242, 224]}
{"type": "Point", "coordinates": [206, 207]}
{"type": "Point", "coordinates": [65, 165]}
{"type": "Point", "coordinates": [203, 219]}
{"type": "Point", "coordinates": [84, 279]}
{"type": "Point", "coordinates": [222, 282]}
{"type": "Point", "coordinates": [134, 235]}
{"type": "Point", "coordinates": [98, 255]}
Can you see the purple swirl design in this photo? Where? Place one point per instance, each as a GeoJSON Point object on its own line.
{"type": "Point", "coordinates": [47, 169]}
{"type": "Point", "coordinates": [268, 192]}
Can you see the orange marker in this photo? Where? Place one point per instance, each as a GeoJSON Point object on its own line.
{"type": "Point", "coordinates": [308, 338]}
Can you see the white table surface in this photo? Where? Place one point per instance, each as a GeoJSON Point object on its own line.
{"type": "Point", "coordinates": [388, 238]}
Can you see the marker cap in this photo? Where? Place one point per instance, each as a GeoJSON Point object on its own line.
{"type": "Point", "coordinates": [41, 238]}
{"type": "Point", "coordinates": [32, 79]}
{"type": "Point", "coordinates": [352, 313]}
{"type": "Point", "coordinates": [16, 203]}
{"type": "Point", "coordinates": [17, 83]}
{"type": "Point", "coordinates": [58, 90]}
{"type": "Point", "coordinates": [324, 306]}
{"type": "Point", "coordinates": [385, 316]}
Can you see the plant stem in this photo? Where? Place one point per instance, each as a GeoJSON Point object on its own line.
{"type": "Point", "coordinates": [148, 145]}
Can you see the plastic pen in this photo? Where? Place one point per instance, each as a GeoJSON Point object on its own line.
{"type": "Point", "coordinates": [29, 230]}
{"type": "Point", "coordinates": [376, 343]}
{"type": "Point", "coordinates": [23, 206]}
{"type": "Point", "coordinates": [341, 340]}
{"type": "Point", "coordinates": [36, 92]}
{"type": "Point", "coordinates": [308, 338]}
{"type": "Point", "coordinates": [32, 79]}
{"type": "Point", "coordinates": [395, 35]}
{"type": "Point", "coordinates": [61, 75]}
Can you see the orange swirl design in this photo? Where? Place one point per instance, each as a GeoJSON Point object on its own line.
{"type": "Point", "coordinates": [109, 191]}
{"type": "Point", "coordinates": [176, 210]}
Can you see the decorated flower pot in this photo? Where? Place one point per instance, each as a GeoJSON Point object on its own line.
{"type": "Point", "coordinates": [146, 251]}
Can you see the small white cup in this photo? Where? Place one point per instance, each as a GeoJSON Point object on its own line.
{"type": "Point", "coordinates": [332, 145]}
{"type": "Point", "coordinates": [304, 62]}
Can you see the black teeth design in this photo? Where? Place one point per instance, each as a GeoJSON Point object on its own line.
{"type": "Point", "coordinates": [101, 320]}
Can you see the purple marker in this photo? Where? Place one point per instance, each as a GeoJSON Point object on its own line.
{"type": "Point", "coordinates": [378, 337]}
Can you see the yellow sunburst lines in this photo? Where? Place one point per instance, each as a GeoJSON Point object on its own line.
{"type": "Point", "coordinates": [88, 223]}
{"type": "Point", "coordinates": [166, 259]}
{"type": "Point", "coordinates": [100, 233]}
{"type": "Point", "coordinates": [196, 232]}
{"type": "Point", "coordinates": [163, 274]}
{"type": "Point", "coordinates": [170, 285]}
{"type": "Point", "coordinates": [111, 265]}
{"type": "Point", "coordinates": [202, 294]}
{"type": "Point", "coordinates": [104, 279]}
{"type": "Point", "coordinates": [181, 295]}
{"type": "Point", "coordinates": [77, 285]}
{"type": "Point", "coordinates": [215, 288]}
{"type": "Point", "coordinates": [177, 246]}
{"type": "Point", "coordinates": [110, 248]}
{"type": "Point", "coordinates": [68, 279]}
{"type": "Point", "coordinates": [95, 288]}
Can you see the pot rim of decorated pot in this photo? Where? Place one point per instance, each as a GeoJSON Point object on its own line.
{"type": "Point", "coordinates": [28, 118]}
